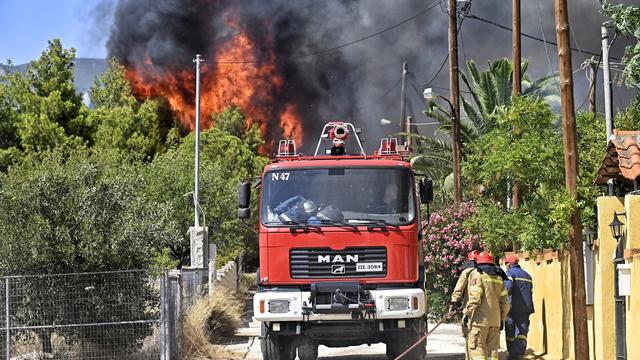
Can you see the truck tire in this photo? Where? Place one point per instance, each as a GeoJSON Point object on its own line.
{"type": "Point", "coordinates": [308, 351]}
{"type": "Point", "coordinates": [401, 342]}
{"type": "Point", "coordinates": [275, 347]}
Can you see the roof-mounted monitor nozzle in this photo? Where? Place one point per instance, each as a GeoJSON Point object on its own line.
{"type": "Point", "coordinates": [338, 133]}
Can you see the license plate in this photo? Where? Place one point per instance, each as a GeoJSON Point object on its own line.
{"type": "Point", "coordinates": [369, 267]}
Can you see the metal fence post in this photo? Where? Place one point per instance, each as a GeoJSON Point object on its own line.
{"type": "Point", "coordinates": [163, 316]}
{"type": "Point", "coordinates": [7, 321]}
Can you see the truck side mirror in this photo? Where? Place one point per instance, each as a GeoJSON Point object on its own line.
{"type": "Point", "coordinates": [426, 191]}
{"type": "Point", "coordinates": [244, 200]}
{"type": "Point", "coordinates": [244, 213]}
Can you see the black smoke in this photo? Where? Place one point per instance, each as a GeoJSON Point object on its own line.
{"type": "Point", "coordinates": [359, 82]}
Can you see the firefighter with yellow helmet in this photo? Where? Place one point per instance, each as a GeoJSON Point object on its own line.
{"type": "Point", "coordinates": [486, 310]}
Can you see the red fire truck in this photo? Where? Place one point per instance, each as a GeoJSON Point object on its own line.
{"type": "Point", "coordinates": [339, 245]}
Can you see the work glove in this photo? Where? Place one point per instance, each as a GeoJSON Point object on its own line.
{"type": "Point", "coordinates": [454, 305]}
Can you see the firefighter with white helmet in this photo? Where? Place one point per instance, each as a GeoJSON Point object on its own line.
{"type": "Point", "coordinates": [486, 309]}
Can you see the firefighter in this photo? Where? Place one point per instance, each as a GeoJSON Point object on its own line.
{"type": "Point", "coordinates": [460, 293]}
{"type": "Point", "coordinates": [486, 309]}
{"type": "Point", "coordinates": [520, 288]}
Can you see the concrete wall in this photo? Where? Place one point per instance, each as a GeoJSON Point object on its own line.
{"type": "Point", "coordinates": [227, 276]}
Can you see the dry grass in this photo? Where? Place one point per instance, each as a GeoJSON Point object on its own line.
{"type": "Point", "coordinates": [207, 322]}
{"type": "Point", "coordinates": [247, 285]}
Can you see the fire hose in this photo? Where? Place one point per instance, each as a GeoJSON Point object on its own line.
{"type": "Point", "coordinates": [442, 320]}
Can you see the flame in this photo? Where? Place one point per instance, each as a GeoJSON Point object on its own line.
{"type": "Point", "coordinates": [236, 76]}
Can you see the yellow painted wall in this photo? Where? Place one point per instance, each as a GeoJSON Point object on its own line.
{"type": "Point", "coordinates": [603, 308]}
{"type": "Point", "coordinates": [551, 335]}
{"type": "Point", "coordinates": [632, 208]}
{"type": "Point", "coordinates": [551, 288]}
{"type": "Point", "coordinates": [633, 310]}
{"type": "Point", "coordinates": [632, 221]}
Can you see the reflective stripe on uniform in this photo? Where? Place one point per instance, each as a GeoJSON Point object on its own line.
{"type": "Point", "coordinates": [497, 281]}
{"type": "Point", "coordinates": [504, 293]}
{"type": "Point", "coordinates": [523, 279]}
{"type": "Point", "coordinates": [521, 337]}
{"type": "Point", "coordinates": [476, 288]}
{"type": "Point", "coordinates": [479, 358]}
{"type": "Point", "coordinates": [510, 339]}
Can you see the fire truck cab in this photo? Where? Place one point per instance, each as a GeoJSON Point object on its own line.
{"type": "Point", "coordinates": [339, 244]}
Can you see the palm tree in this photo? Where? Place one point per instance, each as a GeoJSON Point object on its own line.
{"type": "Point", "coordinates": [488, 91]}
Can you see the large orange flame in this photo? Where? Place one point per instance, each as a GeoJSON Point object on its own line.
{"type": "Point", "coordinates": [234, 77]}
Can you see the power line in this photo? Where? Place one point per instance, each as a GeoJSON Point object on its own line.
{"type": "Point", "coordinates": [544, 40]}
{"type": "Point", "coordinates": [444, 61]}
{"type": "Point", "coordinates": [531, 36]}
{"type": "Point", "coordinates": [337, 47]}
{"type": "Point", "coordinates": [390, 90]}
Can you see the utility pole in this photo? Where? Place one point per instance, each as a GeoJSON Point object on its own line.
{"type": "Point", "coordinates": [606, 76]}
{"type": "Point", "coordinates": [455, 99]}
{"type": "Point", "coordinates": [196, 191]}
{"type": "Point", "coordinates": [517, 85]}
{"type": "Point", "coordinates": [403, 98]}
{"type": "Point", "coordinates": [606, 82]}
{"type": "Point", "coordinates": [580, 334]}
{"type": "Point", "coordinates": [517, 47]}
{"type": "Point", "coordinates": [198, 234]}
{"type": "Point", "coordinates": [593, 72]}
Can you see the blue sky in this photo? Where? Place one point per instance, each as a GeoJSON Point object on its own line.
{"type": "Point", "coordinates": [26, 25]}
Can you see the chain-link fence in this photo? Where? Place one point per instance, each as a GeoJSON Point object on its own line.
{"type": "Point", "coordinates": [104, 315]}
{"type": "Point", "coordinates": [130, 315]}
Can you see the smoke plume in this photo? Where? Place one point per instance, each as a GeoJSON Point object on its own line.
{"type": "Point", "coordinates": [301, 75]}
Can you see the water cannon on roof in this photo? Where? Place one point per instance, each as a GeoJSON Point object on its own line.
{"type": "Point", "coordinates": [337, 133]}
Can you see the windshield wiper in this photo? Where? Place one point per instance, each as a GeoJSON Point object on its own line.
{"type": "Point", "coordinates": [296, 225]}
{"type": "Point", "coordinates": [338, 223]}
{"type": "Point", "coordinates": [373, 224]}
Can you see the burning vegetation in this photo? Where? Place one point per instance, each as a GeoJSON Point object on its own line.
{"type": "Point", "coordinates": [248, 62]}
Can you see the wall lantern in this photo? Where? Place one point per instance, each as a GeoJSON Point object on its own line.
{"type": "Point", "coordinates": [589, 236]}
{"type": "Point", "coordinates": [617, 226]}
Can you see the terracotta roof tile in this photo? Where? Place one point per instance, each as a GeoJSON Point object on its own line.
{"type": "Point", "coordinates": [622, 160]}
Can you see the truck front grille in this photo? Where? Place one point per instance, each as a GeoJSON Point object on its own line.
{"type": "Point", "coordinates": [327, 263]}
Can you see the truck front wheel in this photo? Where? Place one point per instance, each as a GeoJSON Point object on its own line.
{"type": "Point", "coordinates": [402, 341]}
{"type": "Point", "coordinates": [308, 351]}
{"type": "Point", "coordinates": [276, 347]}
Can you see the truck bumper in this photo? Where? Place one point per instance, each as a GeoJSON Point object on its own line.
{"type": "Point", "coordinates": [293, 305]}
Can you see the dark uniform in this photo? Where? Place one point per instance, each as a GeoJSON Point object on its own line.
{"type": "Point", "coordinates": [520, 288]}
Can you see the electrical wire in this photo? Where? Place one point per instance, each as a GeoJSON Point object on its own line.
{"type": "Point", "coordinates": [471, 16]}
{"type": "Point", "coordinates": [337, 47]}
{"type": "Point", "coordinates": [593, 84]}
{"type": "Point", "coordinates": [544, 40]}
{"type": "Point", "coordinates": [444, 61]}
{"type": "Point", "coordinates": [390, 90]}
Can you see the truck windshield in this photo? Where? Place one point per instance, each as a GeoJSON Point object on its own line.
{"type": "Point", "coordinates": [338, 196]}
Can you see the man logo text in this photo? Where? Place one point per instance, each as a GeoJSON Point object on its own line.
{"type": "Point", "coordinates": [337, 259]}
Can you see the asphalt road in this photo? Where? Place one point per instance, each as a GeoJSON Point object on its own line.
{"type": "Point", "coordinates": [445, 343]}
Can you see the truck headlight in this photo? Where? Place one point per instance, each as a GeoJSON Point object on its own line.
{"type": "Point", "coordinates": [279, 306]}
{"type": "Point", "coordinates": [397, 303]}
